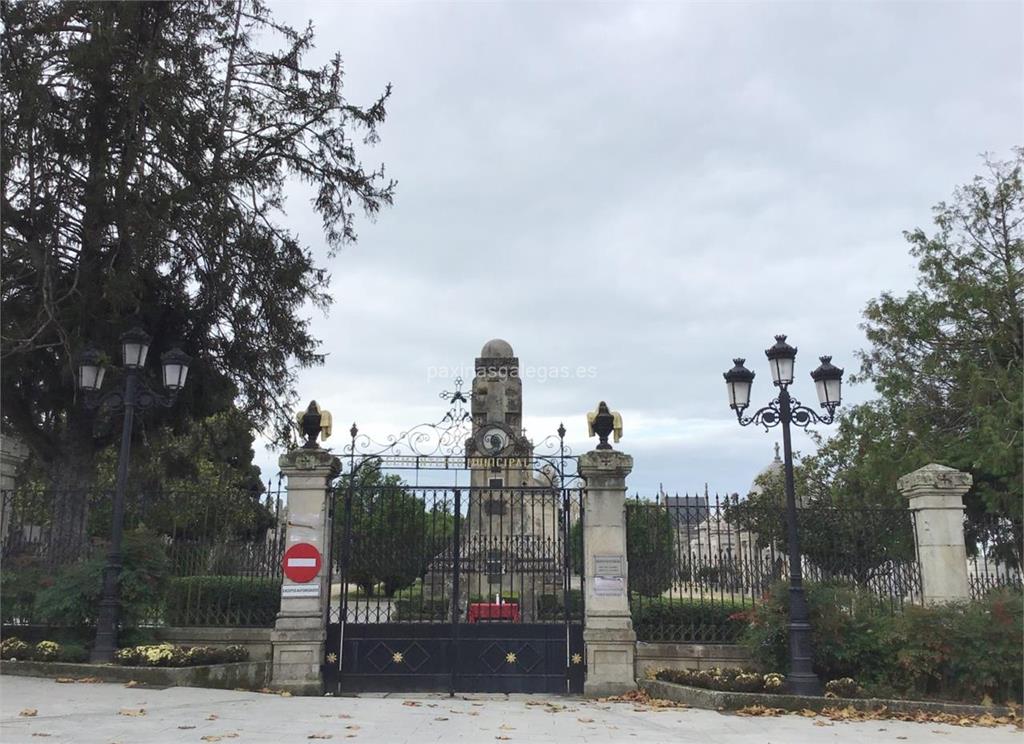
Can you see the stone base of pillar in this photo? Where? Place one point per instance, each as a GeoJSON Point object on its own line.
{"type": "Point", "coordinates": [298, 653]}
{"type": "Point", "coordinates": [611, 658]}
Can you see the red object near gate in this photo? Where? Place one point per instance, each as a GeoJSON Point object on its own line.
{"type": "Point", "coordinates": [302, 562]}
{"type": "Point", "coordinates": [508, 611]}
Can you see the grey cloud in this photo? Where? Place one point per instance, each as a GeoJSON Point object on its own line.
{"type": "Point", "coordinates": [648, 188]}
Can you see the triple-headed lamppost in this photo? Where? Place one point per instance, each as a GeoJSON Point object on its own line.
{"type": "Point", "coordinates": [786, 410]}
{"type": "Point", "coordinates": [136, 394]}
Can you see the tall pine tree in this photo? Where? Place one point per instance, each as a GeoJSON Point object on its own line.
{"type": "Point", "coordinates": [146, 150]}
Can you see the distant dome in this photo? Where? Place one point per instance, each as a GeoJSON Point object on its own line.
{"type": "Point", "coordinates": [775, 466]}
{"type": "Point", "coordinates": [497, 348]}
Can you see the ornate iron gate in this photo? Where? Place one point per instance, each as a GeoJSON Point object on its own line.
{"type": "Point", "coordinates": [468, 588]}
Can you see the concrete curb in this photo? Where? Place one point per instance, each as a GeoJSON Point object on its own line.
{"type": "Point", "coordinates": [250, 675]}
{"type": "Point", "coordinates": [697, 697]}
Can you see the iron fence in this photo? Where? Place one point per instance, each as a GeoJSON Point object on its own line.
{"type": "Point", "coordinates": [190, 558]}
{"type": "Point", "coordinates": [697, 564]}
{"type": "Point", "coordinates": [994, 550]}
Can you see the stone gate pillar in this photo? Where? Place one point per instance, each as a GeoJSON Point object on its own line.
{"type": "Point", "coordinates": [301, 626]}
{"type": "Point", "coordinates": [935, 496]}
{"type": "Point", "coordinates": [607, 626]}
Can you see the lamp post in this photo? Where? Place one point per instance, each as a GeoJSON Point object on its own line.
{"type": "Point", "coordinates": [136, 394]}
{"type": "Point", "coordinates": [787, 411]}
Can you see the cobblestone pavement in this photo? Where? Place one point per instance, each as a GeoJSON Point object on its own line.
{"type": "Point", "coordinates": [109, 713]}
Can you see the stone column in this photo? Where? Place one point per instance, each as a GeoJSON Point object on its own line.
{"type": "Point", "coordinates": [301, 626]}
{"type": "Point", "coordinates": [935, 496]}
{"type": "Point", "coordinates": [607, 626]}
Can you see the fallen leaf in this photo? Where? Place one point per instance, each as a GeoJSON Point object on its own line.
{"type": "Point", "coordinates": [344, 715]}
{"type": "Point", "coordinates": [585, 720]}
{"type": "Point", "coordinates": [63, 680]}
{"type": "Point", "coordinates": [133, 712]}
{"type": "Point", "coordinates": [410, 703]}
{"type": "Point", "coordinates": [40, 733]}
{"type": "Point", "coordinates": [352, 727]}
{"type": "Point", "coordinates": [28, 712]}
{"type": "Point", "coordinates": [89, 680]}
{"type": "Point", "coordinates": [441, 718]}
{"type": "Point", "coordinates": [506, 727]}
{"type": "Point", "coordinates": [209, 737]}
{"type": "Point", "coordinates": [320, 736]}
{"type": "Point", "coordinates": [503, 738]}
{"type": "Point", "coordinates": [186, 727]}
{"type": "Point", "coordinates": [285, 693]}
{"type": "Point", "coordinates": [131, 683]}
{"type": "Point", "coordinates": [212, 717]}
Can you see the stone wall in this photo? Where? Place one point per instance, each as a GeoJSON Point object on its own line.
{"type": "Point", "coordinates": [651, 657]}
{"type": "Point", "coordinates": [256, 640]}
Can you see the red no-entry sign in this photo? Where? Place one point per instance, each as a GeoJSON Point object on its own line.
{"type": "Point", "coordinates": [302, 562]}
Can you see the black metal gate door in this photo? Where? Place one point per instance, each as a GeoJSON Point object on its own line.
{"type": "Point", "coordinates": [474, 589]}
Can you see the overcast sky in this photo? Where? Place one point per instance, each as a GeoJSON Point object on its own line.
{"type": "Point", "coordinates": [646, 190]}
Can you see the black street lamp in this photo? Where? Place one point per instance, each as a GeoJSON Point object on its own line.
{"type": "Point", "coordinates": [136, 394]}
{"type": "Point", "coordinates": [786, 410]}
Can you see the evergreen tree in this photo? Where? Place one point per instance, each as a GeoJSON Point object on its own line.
{"type": "Point", "coordinates": [146, 149]}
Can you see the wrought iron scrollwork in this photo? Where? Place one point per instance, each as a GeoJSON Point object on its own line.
{"type": "Point", "coordinates": [442, 445]}
{"type": "Point", "coordinates": [142, 397]}
{"type": "Point", "coordinates": [772, 414]}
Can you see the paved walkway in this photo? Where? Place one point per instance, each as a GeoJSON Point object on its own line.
{"type": "Point", "coordinates": [98, 713]}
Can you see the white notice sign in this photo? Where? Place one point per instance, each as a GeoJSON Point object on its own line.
{"type": "Point", "coordinates": [291, 591]}
{"type": "Point", "coordinates": [609, 586]}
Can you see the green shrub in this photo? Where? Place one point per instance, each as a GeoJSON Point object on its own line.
{"type": "Point", "coordinates": [73, 653]}
{"type": "Point", "coordinates": [688, 621]}
{"type": "Point", "coordinates": [72, 599]}
{"type": "Point", "coordinates": [650, 548]}
{"type": "Point", "coordinates": [46, 651]}
{"type": "Point", "coordinates": [20, 581]}
{"type": "Point", "coordinates": [961, 651]}
{"type": "Point", "coordinates": [169, 655]}
{"type": "Point", "coordinates": [852, 630]}
{"type": "Point", "coordinates": [222, 600]}
{"type": "Point", "coordinates": [552, 606]}
{"type": "Point", "coordinates": [419, 609]}
{"type": "Point", "coordinates": [12, 649]}
{"type": "Point", "coordinates": [844, 687]}
{"type": "Point", "coordinates": [969, 650]}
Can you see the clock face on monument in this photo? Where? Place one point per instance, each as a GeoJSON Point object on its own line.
{"type": "Point", "coordinates": [492, 440]}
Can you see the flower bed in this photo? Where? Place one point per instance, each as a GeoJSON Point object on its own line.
{"type": "Point", "coordinates": [169, 655]}
{"type": "Point", "coordinates": [730, 679]}
{"type": "Point", "coordinates": [733, 679]}
{"type": "Point", "coordinates": [14, 649]}
{"type": "Point", "coordinates": [159, 655]}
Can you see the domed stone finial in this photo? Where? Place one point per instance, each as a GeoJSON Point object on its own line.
{"type": "Point", "coordinates": [497, 348]}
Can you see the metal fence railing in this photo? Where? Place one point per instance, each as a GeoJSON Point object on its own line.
{"type": "Point", "coordinates": [189, 558]}
{"type": "Point", "coordinates": [697, 564]}
{"type": "Point", "coordinates": [994, 547]}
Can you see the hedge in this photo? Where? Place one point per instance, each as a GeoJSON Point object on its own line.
{"type": "Point", "coordinates": [237, 601]}
{"type": "Point", "coordinates": [420, 609]}
{"type": "Point", "coordinates": [552, 606]}
{"type": "Point", "coordinates": [688, 621]}
{"type": "Point", "coordinates": [964, 651]}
